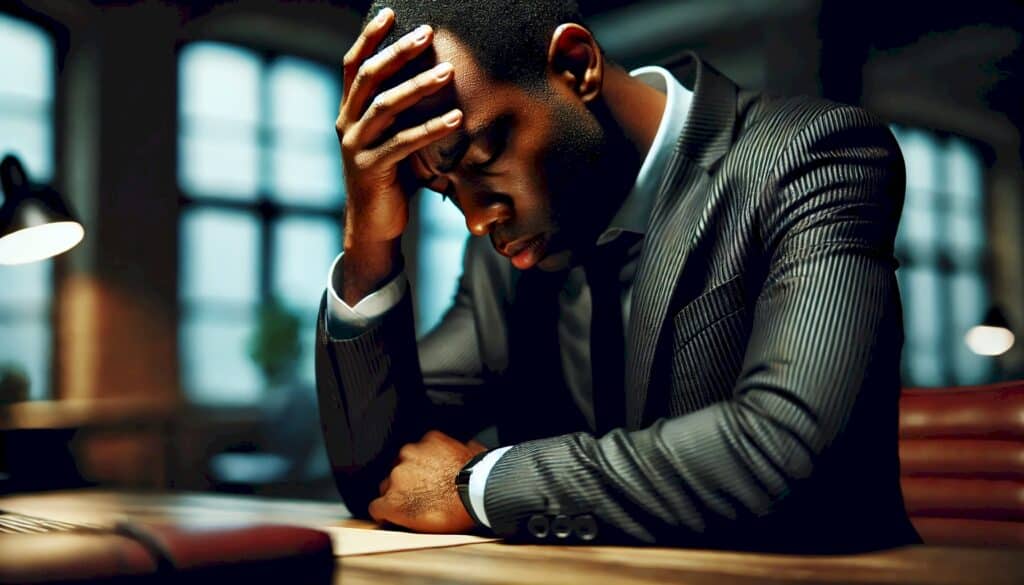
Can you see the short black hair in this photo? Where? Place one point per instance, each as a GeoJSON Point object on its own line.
{"type": "Point", "coordinates": [509, 38]}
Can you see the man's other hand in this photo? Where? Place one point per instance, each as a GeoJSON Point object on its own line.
{"type": "Point", "coordinates": [420, 493]}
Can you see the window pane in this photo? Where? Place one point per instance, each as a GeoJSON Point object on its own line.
{"type": "Point", "coordinates": [920, 154]}
{"type": "Point", "coordinates": [214, 166]}
{"type": "Point", "coordinates": [970, 300]}
{"type": "Point", "coordinates": [26, 60]}
{"type": "Point", "coordinates": [303, 251]}
{"type": "Point", "coordinates": [303, 96]}
{"type": "Point", "coordinates": [304, 104]}
{"type": "Point", "coordinates": [442, 245]}
{"type": "Point", "coordinates": [29, 138]}
{"type": "Point", "coordinates": [963, 168]}
{"type": "Point", "coordinates": [307, 170]}
{"type": "Point", "coordinates": [26, 345]}
{"type": "Point", "coordinates": [220, 82]}
{"type": "Point", "coordinates": [219, 258]}
{"type": "Point", "coordinates": [921, 309]}
{"type": "Point", "coordinates": [215, 363]}
{"type": "Point", "coordinates": [26, 285]}
{"type": "Point", "coordinates": [964, 240]}
{"type": "Point", "coordinates": [923, 368]}
{"type": "Point", "coordinates": [918, 236]}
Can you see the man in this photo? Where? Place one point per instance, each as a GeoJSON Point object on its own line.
{"type": "Point", "coordinates": [684, 322]}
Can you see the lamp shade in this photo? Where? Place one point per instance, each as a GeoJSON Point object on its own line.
{"type": "Point", "coordinates": [35, 222]}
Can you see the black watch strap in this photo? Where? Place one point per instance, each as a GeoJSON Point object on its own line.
{"type": "Point", "coordinates": [462, 485]}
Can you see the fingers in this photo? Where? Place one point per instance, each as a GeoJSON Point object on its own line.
{"type": "Point", "coordinates": [387, 509]}
{"type": "Point", "coordinates": [364, 46]}
{"type": "Point", "coordinates": [389, 104]}
{"type": "Point", "coordinates": [408, 141]}
{"type": "Point", "coordinates": [373, 71]}
{"type": "Point", "coordinates": [380, 510]}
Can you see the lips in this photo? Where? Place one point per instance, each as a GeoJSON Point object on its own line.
{"type": "Point", "coordinates": [525, 252]}
{"type": "Point", "coordinates": [511, 250]}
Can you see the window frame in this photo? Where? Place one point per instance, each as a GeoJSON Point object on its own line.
{"type": "Point", "coordinates": [943, 266]}
{"type": "Point", "coordinates": [47, 313]}
{"type": "Point", "coordinates": [262, 204]}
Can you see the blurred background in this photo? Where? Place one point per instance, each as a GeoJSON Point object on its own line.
{"type": "Point", "coordinates": [173, 347]}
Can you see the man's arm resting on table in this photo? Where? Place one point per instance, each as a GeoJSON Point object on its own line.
{"type": "Point", "coordinates": [345, 322]}
{"type": "Point", "coordinates": [380, 389]}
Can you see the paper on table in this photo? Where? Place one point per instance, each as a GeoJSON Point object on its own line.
{"type": "Point", "coordinates": [349, 542]}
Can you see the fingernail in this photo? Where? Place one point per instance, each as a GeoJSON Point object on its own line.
{"type": "Point", "coordinates": [442, 70]}
{"type": "Point", "coordinates": [421, 33]}
{"type": "Point", "coordinates": [382, 16]}
{"type": "Point", "coordinates": [452, 118]}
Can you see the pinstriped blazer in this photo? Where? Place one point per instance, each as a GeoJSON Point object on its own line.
{"type": "Point", "coordinates": [763, 351]}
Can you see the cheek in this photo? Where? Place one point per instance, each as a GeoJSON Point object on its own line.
{"type": "Point", "coordinates": [523, 179]}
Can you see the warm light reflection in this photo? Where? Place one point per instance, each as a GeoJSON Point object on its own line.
{"type": "Point", "coordinates": [40, 242]}
{"type": "Point", "coordinates": [988, 340]}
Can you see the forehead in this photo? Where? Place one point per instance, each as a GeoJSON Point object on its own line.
{"type": "Point", "coordinates": [472, 90]}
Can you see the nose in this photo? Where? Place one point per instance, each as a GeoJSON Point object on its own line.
{"type": "Point", "coordinates": [485, 211]}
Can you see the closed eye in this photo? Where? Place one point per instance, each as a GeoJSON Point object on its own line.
{"type": "Point", "coordinates": [499, 140]}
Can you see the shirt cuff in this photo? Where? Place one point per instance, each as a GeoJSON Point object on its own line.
{"type": "Point", "coordinates": [478, 483]}
{"type": "Point", "coordinates": [345, 322]}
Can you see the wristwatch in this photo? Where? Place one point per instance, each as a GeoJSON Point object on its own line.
{"type": "Point", "coordinates": [462, 485]}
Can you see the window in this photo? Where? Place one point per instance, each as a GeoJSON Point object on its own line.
{"type": "Point", "coordinates": [27, 68]}
{"type": "Point", "coordinates": [442, 243]}
{"type": "Point", "coordinates": [262, 192]}
{"type": "Point", "coordinates": [941, 248]}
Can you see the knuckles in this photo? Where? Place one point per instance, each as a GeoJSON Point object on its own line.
{"type": "Point", "coordinates": [434, 435]}
{"type": "Point", "coordinates": [363, 160]}
{"type": "Point", "coordinates": [406, 452]}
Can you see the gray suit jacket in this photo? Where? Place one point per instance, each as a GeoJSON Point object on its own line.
{"type": "Point", "coordinates": [762, 375]}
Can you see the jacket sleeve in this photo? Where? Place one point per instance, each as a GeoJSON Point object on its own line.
{"type": "Point", "coordinates": [829, 219]}
{"type": "Point", "coordinates": [382, 389]}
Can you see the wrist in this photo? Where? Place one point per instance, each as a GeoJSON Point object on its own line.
{"type": "Point", "coordinates": [462, 480]}
{"type": "Point", "coordinates": [367, 266]}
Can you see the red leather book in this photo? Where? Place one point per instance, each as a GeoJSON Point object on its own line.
{"type": "Point", "coordinates": [163, 553]}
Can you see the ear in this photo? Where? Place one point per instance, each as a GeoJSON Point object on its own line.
{"type": "Point", "coordinates": [575, 58]}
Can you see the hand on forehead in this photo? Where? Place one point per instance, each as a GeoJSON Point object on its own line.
{"type": "Point", "coordinates": [466, 90]}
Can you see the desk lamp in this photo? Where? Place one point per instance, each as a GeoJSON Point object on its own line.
{"type": "Point", "coordinates": [35, 222]}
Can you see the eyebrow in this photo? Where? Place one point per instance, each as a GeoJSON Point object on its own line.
{"type": "Point", "coordinates": [451, 157]}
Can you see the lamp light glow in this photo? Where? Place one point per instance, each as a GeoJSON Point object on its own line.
{"type": "Point", "coordinates": [40, 242]}
{"type": "Point", "coordinates": [992, 337]}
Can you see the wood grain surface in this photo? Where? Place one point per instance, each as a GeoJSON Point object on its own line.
{"type": "Point", "coordinates": [493, 563]}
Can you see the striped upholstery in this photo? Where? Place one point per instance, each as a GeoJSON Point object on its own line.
{"type": "Point", "coordinates": [962, 462]}
{"type": "Point", "coordinates": [763, 354]}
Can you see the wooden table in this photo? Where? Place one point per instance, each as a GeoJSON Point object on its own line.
{"type": "Point", "coordinates": [530, 564]}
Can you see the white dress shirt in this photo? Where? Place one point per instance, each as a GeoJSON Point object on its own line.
{"type": "Point", "coordinates": [345, 322]}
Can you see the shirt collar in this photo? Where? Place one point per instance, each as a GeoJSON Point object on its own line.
{"type": "Point", "coordinates": [636, 209]}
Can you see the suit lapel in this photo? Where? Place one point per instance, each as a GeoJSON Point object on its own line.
{"type": "Point", "coordinates": [677, 220]}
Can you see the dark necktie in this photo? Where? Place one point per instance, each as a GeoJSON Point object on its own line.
{"type": "Point", "coordinates": [607, 343]}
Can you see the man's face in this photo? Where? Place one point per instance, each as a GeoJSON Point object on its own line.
{"type": "Point", "coordinates": [524, 167]}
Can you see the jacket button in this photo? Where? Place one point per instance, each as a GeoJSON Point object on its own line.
{"type": "Point", "coordinates": [538, 526]}
{"type": "Point", "coordinates": [585, 527]}
{"type": "Point", "coordinates": [562, 526]}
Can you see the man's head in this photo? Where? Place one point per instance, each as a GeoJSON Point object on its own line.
{"type": "Point", "coordinates": [531, 164]}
